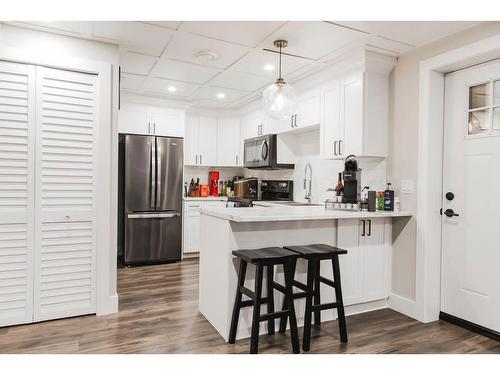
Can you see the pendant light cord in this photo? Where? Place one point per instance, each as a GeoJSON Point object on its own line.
{"type": "Point", "coordinates": [280, 61]}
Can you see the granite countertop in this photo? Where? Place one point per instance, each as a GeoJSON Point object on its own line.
{"type": "Point", "coordinates": [284, 213]}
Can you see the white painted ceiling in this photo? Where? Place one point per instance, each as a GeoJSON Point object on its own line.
{"type": "Point", "coordinates": [157, 55]}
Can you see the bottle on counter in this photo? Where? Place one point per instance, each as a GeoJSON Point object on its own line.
{"type": "Point", "coordinates": [339, 188]}
{"type": "Point", "coordinates": [388, 198]}
{"type": "Point", "coordinates": [380, 201]}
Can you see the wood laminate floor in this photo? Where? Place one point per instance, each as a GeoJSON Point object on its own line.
{"type": "Point", "coordinates": [159, 314]}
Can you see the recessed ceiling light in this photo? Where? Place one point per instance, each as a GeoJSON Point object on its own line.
{"type": "Point", "coordinates": [221, 95]}
{"type": "Point", "coordinates": [206, 56]}
{"type": "Point", "coordinates": [269, 67]}
{"type": "Point", "coordinates": [172, 88]}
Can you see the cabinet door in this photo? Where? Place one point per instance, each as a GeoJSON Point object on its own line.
{"type": "Point", "coordinates": [376, 263]}
{"type": "Point", "coordinates": [134, 121]}
{"type": "Point", "coordinates": [351, 141]}
{"type": "Point", "coordinates": [17, 146]}
{"type": "Point", "coordinates": [65, 243]}
{"type": "Point", "coordinates": [191, 231]}
{"type": "Point", "coordinates": [351, 264]}
{"type": "Point", "coordinates": [308, 113]}
{"type": "Point", "coordinates": [252, 125]}
{"type": "Point", "coordinates": [207, 141]}
{"type": "Point", "coordinates": [168, 124]}
{"type": "Point", "coordinates": [191, 141]}
{"type": "Point", "coordinates": [330, 128]}
{"type": "Point", "coordinates": [228, 142]}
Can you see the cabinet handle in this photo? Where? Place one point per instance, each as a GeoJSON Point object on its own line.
{"type": "Point", "coordinates": [335, 148]}
{"type": "Point", "coordinates": [363, 232]}
{"type": "Point", "coordinates": [291, 121]}
{"type": "Point", "coordinates": [154, 127]}
{"type": "Point", "coordinates": [149, 128]}
{"type": "Point", "coordinates": [369, 227]}
{"type": "Point", "coordinates": [295, 120]}
{"type": "Point", "coordinates": [340, 142]}
{"type": "Point", "coordinates": [196, 159]}
{"type": "Point", "coordinates": [236, 159]}
{"type": "Point", "coordinates": [201, 162]}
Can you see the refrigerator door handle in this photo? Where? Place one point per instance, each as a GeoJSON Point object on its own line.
{"type": "Point", "coordinates": [153, 216]}
{"type": "Point", "coordinates": [158, 173]}
{"type": "Point", "coordinates": [153, 174]}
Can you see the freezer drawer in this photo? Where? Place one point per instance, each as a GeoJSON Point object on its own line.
{"type": "Point", "coordinates": [152, 237]}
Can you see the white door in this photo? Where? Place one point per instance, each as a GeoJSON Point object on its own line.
{"type": "Point", "coordinates": [192, 221]}
{"type": "Point", "coordinates": [330, 131]}
{"type": "Point", "coordinates": [167, 124]}
{"type": "Point", "coordinates": [376, 261]}
{"type": "Point", "coordinates": [470, 271]}
{"type": "Point", "coordinates": [17, 141]}
{"type": "Point", "coordinates": [64, 255]}
{"type": "Point", "coordinates": [228, 142]}
{"type": "Point", "coordinates": [351, 137]}
{"type": "Point", "coordinates": [309, 111]}
{"type": "Point", "coordinates": [134, 121]}
{"type": "Point", "coordinates": [191, 141]}
{"type": "Point", "coordinates": [207, 141]}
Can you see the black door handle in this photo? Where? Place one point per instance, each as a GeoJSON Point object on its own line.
{"type": "Point", "coordinates": [449, 212]}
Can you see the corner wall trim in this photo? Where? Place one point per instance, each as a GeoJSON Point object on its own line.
{"type": "Point", "coordinates": [470, 326]}
{"type": "Point", "coordinates": [402, 305]}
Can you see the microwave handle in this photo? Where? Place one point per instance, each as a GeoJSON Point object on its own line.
{"type": "Point", "coordinates": [265, 153]}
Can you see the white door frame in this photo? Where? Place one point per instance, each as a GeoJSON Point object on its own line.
{"type": "Point", "coordinates": [430, 174]}
{"type": "Point", "coordinates": [106, 173]}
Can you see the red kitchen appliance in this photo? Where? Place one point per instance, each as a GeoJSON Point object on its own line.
{"type": "Point", "coordinates": [213, 183]}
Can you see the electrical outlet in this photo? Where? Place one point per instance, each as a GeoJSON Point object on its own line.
{"type": "Point", "coordinates": [407, 186]}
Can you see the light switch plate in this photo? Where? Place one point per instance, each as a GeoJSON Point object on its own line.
{"type": "Point", "coordinates": [407, 186]}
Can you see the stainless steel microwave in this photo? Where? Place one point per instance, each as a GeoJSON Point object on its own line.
{"type": "Point", "coordinates": [261, 153]}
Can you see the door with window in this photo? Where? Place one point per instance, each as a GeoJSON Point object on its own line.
{"type": "Point", "coordinates": [470, 269]}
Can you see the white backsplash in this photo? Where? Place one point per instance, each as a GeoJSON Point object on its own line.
{"type": "Point", "coordinates": [226, 173]}
{"type": "Point", "coordinates": [324, 172]}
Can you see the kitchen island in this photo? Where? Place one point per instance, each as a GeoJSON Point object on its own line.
{"type": "Point", "coordinates": [365, 270]}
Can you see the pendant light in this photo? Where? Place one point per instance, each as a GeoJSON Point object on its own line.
{"type": "Point", "coordinates": [279, 100]}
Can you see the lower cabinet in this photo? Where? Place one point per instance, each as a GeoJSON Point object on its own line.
{"type": "Point", "coordinates": [365, 269]}
{"type": "Point", "coordinates": [191, 223]}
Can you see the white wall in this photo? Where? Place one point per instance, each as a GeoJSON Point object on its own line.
{"type": "Point", "coordinates": [403, 157]}
{"type": "Point", "coordinates": [226, 173]}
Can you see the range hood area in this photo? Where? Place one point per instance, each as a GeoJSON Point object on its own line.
{"type": "Point", "coordinates": [262, 153]}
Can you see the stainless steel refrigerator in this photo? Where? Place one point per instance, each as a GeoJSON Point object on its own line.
{"type": "Point", "coordinates": [150, 194]}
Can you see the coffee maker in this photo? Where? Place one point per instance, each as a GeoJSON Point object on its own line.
{"type": "Point", "coordinates": [352, 180]}
{"type": "Point", "coordinates": [213, 183]}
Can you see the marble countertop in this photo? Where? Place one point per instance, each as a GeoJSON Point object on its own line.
{"type": "Point", "coordinates": [286, 213]}
{"type": "Point", "coordinates": [205, 199]}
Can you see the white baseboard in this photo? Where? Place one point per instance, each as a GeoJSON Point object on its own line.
{"type": "Point", "coordinates": [108, 305]}
{"type": "Point", "coordinates": [403, 305]}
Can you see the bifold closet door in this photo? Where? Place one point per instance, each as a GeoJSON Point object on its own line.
{"type": "Point", "coordinates": [17, 140]}
{"type": "Point", "coordinates": [64, 256]}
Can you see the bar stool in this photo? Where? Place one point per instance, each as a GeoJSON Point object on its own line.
{"type": "Point", "coordinates": [266, 257]}
{"type": "Point", "coordinates": [314, 254]}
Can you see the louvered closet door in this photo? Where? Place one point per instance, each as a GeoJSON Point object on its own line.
{"type": "Point", "coordinates": [17, 139]}
{"type": "Point", "coordinates": [64, 259]}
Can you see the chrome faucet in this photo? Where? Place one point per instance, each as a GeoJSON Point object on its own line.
{"type": "Point", "coordinates": [308, 182]}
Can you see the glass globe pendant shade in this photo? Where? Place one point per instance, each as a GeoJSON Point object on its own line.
{"type": "Point", "coordinates": [279, 100]}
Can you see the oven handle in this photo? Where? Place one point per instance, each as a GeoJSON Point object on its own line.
{"type": "Point", "coordinates": [152, 216]}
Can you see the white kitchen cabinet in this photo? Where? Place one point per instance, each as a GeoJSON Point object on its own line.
{"type": "Point", "coordinates": [142, 119]}
{"type": "Point", "coordinates": [365, 268]}
{"type": "Point", "coordinates": [308, 113]}
{"type": "Point", "coordinates": [257, 123]}
{"type": "Point", "coordinates": [354, 118]}
{"type": "Point", "coordinates": [201, 141]}
{"type": "Point", "coordinates": [192, 220]}
{"type": "Point", "coordinates": [228, 142]}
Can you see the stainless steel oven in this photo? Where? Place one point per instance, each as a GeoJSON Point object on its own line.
{"type": "Point", "coordinates": [261, 153]}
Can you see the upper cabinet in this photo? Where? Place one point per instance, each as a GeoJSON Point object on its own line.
{"type": "Point", "coordinates": [355, 114]}
{"type": "Point", "coordinates": [257, 123]}
{"type": "Point", "coordinates": [308, 113]}
{"type": "Point", "coordinates": [229, 142]}
{"type": "Point", "coordinates": [201, 141]}
{"type": "Point", "coordinates": [151, 120]}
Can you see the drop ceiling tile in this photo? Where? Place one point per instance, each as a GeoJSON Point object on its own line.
{"type": "Point", "coordinates": [181, 71]}
{"type": "Point", "coordinates": [387, 46]}
{"type": "Point", "coordinates": [210, 93]}
{"type": "Point", "coordinates": [135, 36]}
{"type": "Point", "coordinates": [136, 63]}
{"type": "Point", "coordinates": [174, 25]}
{"type": "Point", "coordinates": [198, 103]}
{"type": "Point", "coordinates": [61, 27]}
{"type": "Point", "coordinates": [160, 85]}
{"type": "Point", "coordinates": [185, 46]}
{"type": "Point", "coordinates": [240, 81]}
{"type": "Point", "coordinates": [413, 33]}
{"type": "Point", "coordinates": [247, 33]}
{"type": "Point", "coordinates": [254, 63]}
{"type": "Point", "coordinates": [312, 39]}
{"type": "Point", "coordinates": [131, 81]}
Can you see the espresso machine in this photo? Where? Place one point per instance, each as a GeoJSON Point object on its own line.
{"type": "Point", "coordinates": [352, 180]}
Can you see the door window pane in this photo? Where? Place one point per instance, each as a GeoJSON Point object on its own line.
{"type": "Point", "coordinates": [479, 121]}
{"type": "Point", "coordinates": [496, 93]}
{"type": "Point", "coordinates": [479, 96]}
{"type": "Point", "coordinates": [496, 119]}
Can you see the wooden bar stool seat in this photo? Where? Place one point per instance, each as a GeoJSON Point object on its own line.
{"type": "Point", "coordinates": [265, 258]}
{"type": "Point", "coordinates": [314, 254]}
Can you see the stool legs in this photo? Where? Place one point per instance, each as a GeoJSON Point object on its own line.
{"type": "Point", "coordinates": [237, 302]}
{"type": "Point", "coordinates": [306, 340]}
{"type": "Point", "coordinates": [270, 298]}
{"type": "Point", "coordinates": [339, 300]}
{"type": "Point", "coordinates": [317, 298]}
{"type": "Point", "coordinates": [289, 277]}
{"type": "Point", "coordinates": [254, 339]}
{"type": "Point", "coordinates": [284, 320]}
